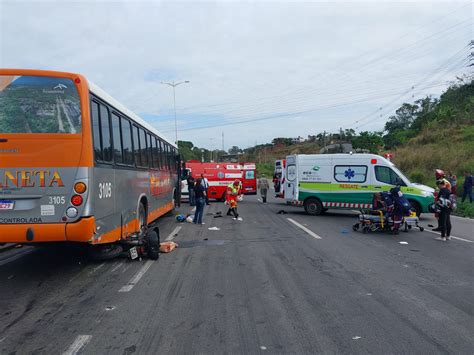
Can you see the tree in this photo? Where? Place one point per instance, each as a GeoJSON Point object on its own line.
{"type": "Point", "coordinates": [402, 119]}
{"type": "Point", "coordinates": [371, 141]}
{"type": "Point", "coordinates": [235, 150]}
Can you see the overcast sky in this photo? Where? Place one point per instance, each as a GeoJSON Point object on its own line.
{"type": "Point", "coordinates": [257, 70]}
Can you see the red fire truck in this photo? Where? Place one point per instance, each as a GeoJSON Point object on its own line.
{"type": "Point", "coordinates": [220, 175]}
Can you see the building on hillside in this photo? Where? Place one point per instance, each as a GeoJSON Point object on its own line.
{"type": "Point", "coordinates": [297, 140]}
{"type": "Point", "coordinates": [337, 148]}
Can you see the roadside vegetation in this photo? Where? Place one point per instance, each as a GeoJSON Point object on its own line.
{"type": "Point", "coordinates": [428, 134]}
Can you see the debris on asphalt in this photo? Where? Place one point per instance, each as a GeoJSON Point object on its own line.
{"type": "Point", "coordinates": [282, 212]}
{"type": "Point", "coordinates": [356, 337]}
{"type": "Point", "coordinates": [239, 219]}
{"type": "Point", "coordinates": [403, 242]}
{"type": "Point", "coordinates": [344, 231]}
{"type": "Point", "coordinates": [181, 218]}
{"type": "Point", "coordinates": [214, 229]}
{"type": "Point", "coordinates": [167, 247]}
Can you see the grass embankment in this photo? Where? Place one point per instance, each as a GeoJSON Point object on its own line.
{"type": "Point", "coordinates": [439, 147]}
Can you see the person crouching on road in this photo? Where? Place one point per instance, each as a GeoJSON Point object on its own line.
{"type": "Point", "coordinates": [444, 203]}
{"type": "Point", "coordinates": [263, 186]}
{"type": "Point", "coordinates": [232, 195]}
{"type": "Point", "coordinates": [200, 194]}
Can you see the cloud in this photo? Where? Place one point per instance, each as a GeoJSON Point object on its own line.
{"type": "Point", "coordinates": [310, 66]}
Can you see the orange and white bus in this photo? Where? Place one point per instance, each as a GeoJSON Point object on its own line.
{"type": "Point", "coordinates": [77, 166]}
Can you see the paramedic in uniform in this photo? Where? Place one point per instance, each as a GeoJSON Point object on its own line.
{"type": "Point", "coordinates": [232, 194]}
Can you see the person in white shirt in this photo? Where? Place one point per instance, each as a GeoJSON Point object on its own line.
{"type": "Point", "coordinates": [205, 183]}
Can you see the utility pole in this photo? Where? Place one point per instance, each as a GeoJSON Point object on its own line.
{"type": "Point", "coordinates": [174, 85]}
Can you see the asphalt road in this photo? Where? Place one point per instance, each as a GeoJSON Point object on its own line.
{"type": "Point", "coordinates": [272, 283]}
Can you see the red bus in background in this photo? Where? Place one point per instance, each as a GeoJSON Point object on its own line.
{"type": "Point", "coordinates": [220, 175]}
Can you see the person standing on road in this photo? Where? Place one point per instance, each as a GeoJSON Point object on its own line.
{"type": "Point", "coordinates": [263, 186]}
{"type": "Point", "coordinates": [232, 194]}
{"type": "Point", "coordinates": [200, 193]}
{"type": "Point", "coordinates": [467, 186]}
{"type": "Point", "coordinates": [191, 182]}
{"type": "Point", "coordinates": [453, 180]}
{"type": "Point", "coordinates": [445, 206]}
{"type": "Point", "coordinates": [205, 183]}
{"type": "Point", "coordinates": [440, 176]}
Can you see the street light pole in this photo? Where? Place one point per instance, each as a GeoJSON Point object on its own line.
{"type": "Point", "coordinates": [174, 85]}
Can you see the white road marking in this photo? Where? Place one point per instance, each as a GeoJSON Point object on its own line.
{"type": "Point", "coordinates": [78, 344]}
{"type": "Point", "coordinates": [173, 234]}
{"type": "Point", "coordinates": [131, 284]}
{"type": "Point", "coordinates": [438, 233]}
{"type": "Point", "coordinates": [96, 268]}
{"type": "Point", "coordinates": [403, 242]}
{"type": "Point", "coordinates": [356, 337]}
{"type": "Point", "coordinates": [311, 233]}
{"type": "Point", "coordinates": [117, 267]}
{"type": "Point", "coordinates": [15, 256]}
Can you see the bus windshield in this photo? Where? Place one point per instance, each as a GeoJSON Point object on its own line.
{"type": "Point", "coordinates": [39, 104]}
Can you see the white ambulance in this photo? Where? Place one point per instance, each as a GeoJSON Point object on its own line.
{"type": "Point", "coordinates": [347, 181]}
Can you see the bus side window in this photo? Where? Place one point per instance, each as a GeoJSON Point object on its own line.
{"type": "Point", "coordinates": [127, 142]}
{"type": "Point", "coordinates": [136, 146]}
{"type": "Point", "coordinates": [168, 153]}
{"type": "Point", "coordinates": [117, 139]}
{"type": "Point", "coordinates": [150, 151]}
{"type": "Point", "coordinates": [161, 149]}
{"type": "Point", "coordinates": [96, 130]}
{"type": "Point", "coordinates": [143, 148]}
{"type": "Point", "coordinates": [156, 153]}
{"type": "Point", "coordinates": [105, 133]}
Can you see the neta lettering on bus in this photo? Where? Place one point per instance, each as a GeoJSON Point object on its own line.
{"type": "Point", "coordinates": [28, 178]}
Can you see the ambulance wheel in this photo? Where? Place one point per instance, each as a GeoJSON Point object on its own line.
{"type": "Point", "coordinates": [415, 207]}
{"type": "Point", "coordinates": [313, 206]}
{"type": "Point", "coordinates": [153, 244]}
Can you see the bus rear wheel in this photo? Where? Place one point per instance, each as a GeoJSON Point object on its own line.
{"type": "Point", "coordinates": [313, 206]}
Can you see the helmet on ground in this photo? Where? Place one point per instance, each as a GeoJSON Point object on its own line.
{"type": "Point", "coordinates": [439, 174]}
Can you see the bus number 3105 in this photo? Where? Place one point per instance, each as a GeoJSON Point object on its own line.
{"type": "Point", "coordinates": [105, 190]}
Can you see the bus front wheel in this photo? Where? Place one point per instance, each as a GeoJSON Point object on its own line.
{"type": "Point", "coordinates": [153, 244]}
{"type": "Point", "coordinates": [313, 206]}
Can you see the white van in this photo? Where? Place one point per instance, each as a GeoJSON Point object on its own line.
{"type": "Point", "coordinates": [347, 181]}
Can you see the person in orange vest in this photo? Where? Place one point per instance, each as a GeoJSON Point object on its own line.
{"type": "Point", "coordinates": [232, 194]}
